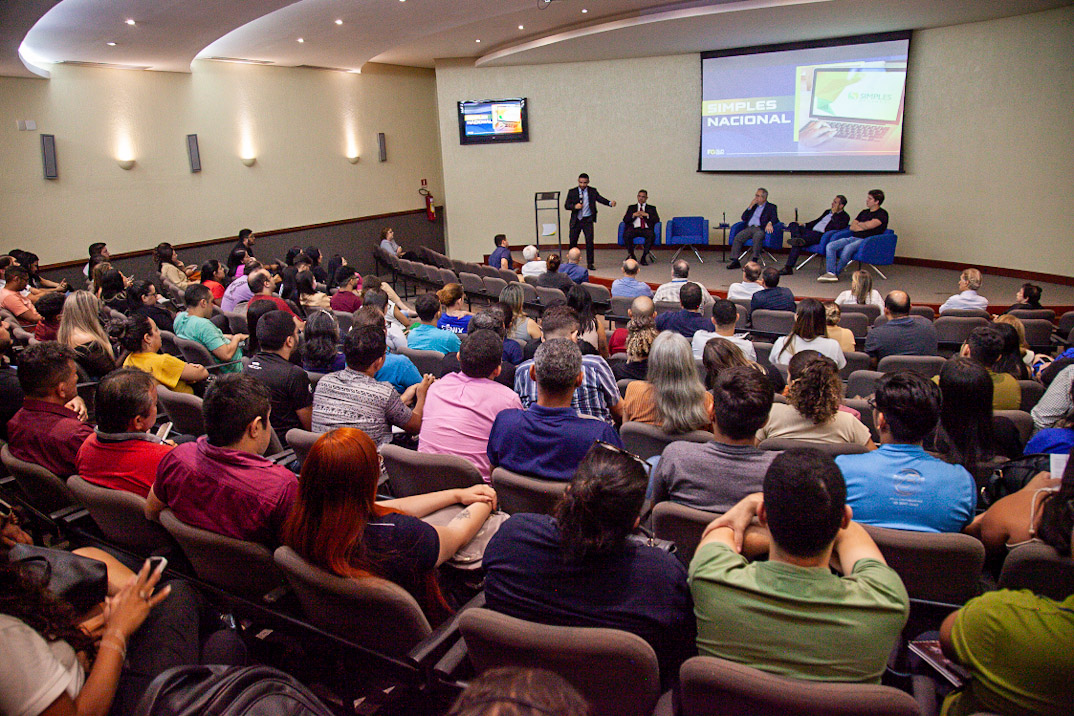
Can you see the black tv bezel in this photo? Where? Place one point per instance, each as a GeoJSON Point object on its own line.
{"type": "Point", "coordinates": [523, 136]}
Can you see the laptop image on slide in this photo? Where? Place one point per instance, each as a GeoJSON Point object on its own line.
{"type": "Point", "coordinates": [861, 103]}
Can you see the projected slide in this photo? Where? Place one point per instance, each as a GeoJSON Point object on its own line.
{"type": "Point", "coordinates": [837, 108]}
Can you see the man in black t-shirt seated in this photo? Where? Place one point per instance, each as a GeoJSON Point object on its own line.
{"type": "Point", "coordinates": [870, 221]}
{"type": "Point", "coordinates": [288, 384]}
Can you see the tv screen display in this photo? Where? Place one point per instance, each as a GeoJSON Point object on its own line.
{"type": "Point", "coordinates": [831, 105]}
{"type": "Point", "coordinates": [490, 121]}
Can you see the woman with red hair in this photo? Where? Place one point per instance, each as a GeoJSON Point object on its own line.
{"type": "Point", "coordinates": [337, 524]}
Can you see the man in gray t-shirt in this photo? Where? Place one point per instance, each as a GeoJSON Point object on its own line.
{"type": "Point", "coordinates": [714, 476]}
{"type": "Point", "coordinates": [902, 334]}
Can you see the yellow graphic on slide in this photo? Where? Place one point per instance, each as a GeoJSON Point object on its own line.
{"type": "Point", "coordinates": [506, 119]}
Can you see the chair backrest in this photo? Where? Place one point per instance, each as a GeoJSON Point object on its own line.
{"type": "Point", "coordinates": [1038, 333]}
{"type": "Point", "coordinates": [927, 366]}
{"type": "Point", "coordinates": [956, 329]}
{"type": "Point", "coordinates": [371, 612]}
{"type": "Point", "coordinates": [924, 312]}
{"type": "Point", "coordinates": [314, 377]}
{"type": "Point", "coordinates": [300, 441]}
{"type": "Point", "coordinates": [870, 310]}
{"type": "Point", "coordinates": [646, 440]}
{"type": "Point", "coordinates": [866, 412]}
{"type": "Point", "coordinates": [425, 361]}
{"type": "Point", "coordinates": [967, 313]}
{"type": "Point", "coordinates": [1039, 568]}
{"type": "Point", "coordinates": [1022, 420]}
{"type": "Point", "coordinates": [1032, 391]}
{"type": "Point", "coordinates": [493, 286]}
{"type": "Point", "coordinates": [689, 227]}
{"type": "Point", "coordinates": [194, 352]}
{"type": "Point", "coordinates": [41, 488]}
{"type": "Point", "coordinates": [763, 350]}
{"type": "Point", "coordinates": [243, 568]}
{"type": "Point", "coordinates": [344, 320]}
{"type": "Point", "coordinates": [121, 516]}
{"type": "Point", "coordinates": [548, 295]}
{"type": "Point", "coordinates": [600, 294]}
{"type": "Point", "coordinates": [620, 305]}
{"type": "Point", "coordinates": [715, 687]}
{"type": "Point", "coordinates": [934, 567]}
{"type": "Point", "coordinates": [486, 271]}
{"type": "Point", "coordinates": [416, 473]}
{"type": "Point", "coordinates": [1024, 313]}
{"type": "Point", "coordinates": [168, 345]}
{"type": "Point", "coordinates": [529, 293]}
{"type": "Point", "coordinates": [183, 410]}
{"type": "Point", "coordinates": [522, 493]}
{"type": "Point", "coordinates": [1065, 324]}
{"type": "Point", "coordinates": [472, 285]}
{"type": "Point", "coordinates": [856, 360]}
{"type": "Point", "coordinates": [622, 384]}
{"type": "Point", "coordinates": [862, 383]}
{"type": "Point", "coordinates": [173, 292]}
{"type": "Point", "coordinates": [237, 322]}
{"type": "Point", "coordinates": [507, 275]}
{"type": "Point", "coordinates": [667, 306]}
{"type": "Point", "coordinates": [682, 525]}
{"type": "Point", "coordinates": [777, 322]}
{"type": "Point", "coordinates": [447, 275]}
{"type": "Point", "coordinates": [832, 449]}
{"type": "Point", "coordinates": [856, 323]}
{"type": "Point", "coordinates": [614, 670]}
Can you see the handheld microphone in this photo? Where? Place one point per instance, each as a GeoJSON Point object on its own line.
{"type": "Point", "coordinates": [796, 214]}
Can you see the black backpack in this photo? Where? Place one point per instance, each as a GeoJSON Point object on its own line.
{"type": "Point", "coordinates": [1010, 477]}
{"type": "Point", "coordinates": [228, 691]}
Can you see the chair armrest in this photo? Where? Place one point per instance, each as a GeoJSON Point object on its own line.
{"type": "Point", "coordinates": [448, 666]}
{"type": "Point", "coordinates": [282, 458]}
{"type": "Point", "coordinates": [430, 649]}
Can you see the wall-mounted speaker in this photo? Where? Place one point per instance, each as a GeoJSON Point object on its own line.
{"type": "Point", "coordinates": [192, 152]}
{"type": "Point", "coordinates": [382, 147]}
{"type": "Point", "coordinates": [48, 156]}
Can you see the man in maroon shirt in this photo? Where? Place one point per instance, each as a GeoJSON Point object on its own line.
{"type": "Point", "coordinates": [221, 483]}
{"type": "Point", "coordinates": [48, 430]}
{"type": "Point", "coordinates": [349, 283]}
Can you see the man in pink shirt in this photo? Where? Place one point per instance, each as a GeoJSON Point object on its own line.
{"type": "Point", "coordinates": [10, 298]}
{"type": "Point", "coordinates": [461, 407]}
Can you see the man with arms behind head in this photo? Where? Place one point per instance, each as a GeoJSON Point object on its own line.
{"type": "Point", "coordinates": [809, 233]}
{"type": "Point", "coordinates": [790, 615]}
{"type": "Point", "coordinates": [641, 220]}
{"type": "Point", "coordinates": [629, 285]}
{"type": "Point", "coordinates": [724, 318]}
{"type": "Point", "coordinates": [902, 334]}
{"type": "Point", "coordinates": [760, 216]}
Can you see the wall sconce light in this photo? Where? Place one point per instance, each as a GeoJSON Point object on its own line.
{"type": "Point", "coordinates": [125, 163]}
{"type": "Point", "coordinates": [249, 161]}
{"type": "Point", "coordinates": [354, 159]}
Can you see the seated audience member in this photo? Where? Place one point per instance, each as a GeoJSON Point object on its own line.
{"type": "Point", "coordinates": [811, 232]}
{"type": "Point", "coordinates": [114, 291]}
{"type": "Point", "coordinates": [389, 244]}
{"type": "Point", "coordinates": [641, 332]}
{"type": "Point", "coordinates": [772, 297]}
{"type": "Point", "coordinates": [985, 345]}
{"type": "Point", "coordinates": [629, 286]}
{"type": "Point", "coordinates": [810, 333]}
{"type": "Point", "coordinates": [48, 429]}
{"type": "Point", "coordinates": [870, 221]}
{"type": "Point", "coordinates": [424, 335]}
{"type": "Point", "coordinates": [348, 285]}
{"type": "Point", "coordinates": [680, 275]}
{"type": "Point", "coordinates": [461, 407]}
{"type": "Point", "coordinates": [719, 355]}
{"type": "Point", "coordinates": [81, 330]}
{"type": "Point", "coordinates": [320, 343]}
{"type": "Point", "coordinates": [724, 318]}
{"type": "Point", "coordinates": [261, 285]}
{"type": "Point", "coordinates": [378, 299]}
{"type": "Point", "coordinates": [902, 334]}
{"type": "Point", "coordinates": [212, 274]}
{"type": "Point", "coordinates": [220, 483]}
{"type": "Point", "coordinates": [579, 568]}
{"type": "Point", "coordinates": [899, 485]}
{"type": "Point", "coordinates": [750, 284]}
{"type": "Point", "coordinates": [1025, 353]}
{"type": "Point", "coordinates": [244, 246]}
{"type": "Point", "coordinates": [490, 319]}
{"type": "Point", "coordinates": [95, 286]}
{"type": "Point", "coordinates": [1010, 358]}
{"type": "Point", "coordinates": [512, 350]}
{"type": "Point", "coordinates": [352, 397]}
{"type": "Point", "coordinates": [523, 327]}
{"type": "Point", "coordinates": [289, 386]}
{"type": "Point", "coordinates": [969, 281]}
{"type": "Point", "coordinates": [1015, 644]}
{"type": "Point", "coordinates": [515, 691]}
{"type": "Point", "coordinates": [308, 292]}
{"type": "Point", "coordinates": [50, 308]}
{"type": "Point", "coordinates": [254, 312]}
{"type": "Point", "coordinates": [1056, 439]}
{"type": "Point", "coordinates": [332, 270]}
{"type": "Point", "coordinates": [551, 277]}
{"type": "Point", "coordinates": [671, 397]}
{"type": "Point", "coordinates": [590, 326]}
{"type": "Point", "coordinates": [1057, 401]}
{"type": "Point", "coordinates": [861, 291]}
{"type": "Point", "coordinates": [170, 267]}
{"type": "Point", "coordinates": [398, 370]}
{"type": "Point", "coordinates": [713, 476]}
{"type": "Point", "coordinates": [239, 291]}
{"type": "Point", "coordinates": [39, 286]}
{"type": "Point", "coordinates": [843, 336]}
{"type": "Point", "coordinates": [598, 395]}
{"type": "Point", "coordinates": [453, 315]}
{"type": "Point", "coordinates": [122, 454]}
{"type": "Point", "coordinates": [140, 337]}
{"type": "Point", "coordinates": [338, 525]}
{"type": "Point", "coordinates": [791, 615]}
{"type": "Point", "coordinates": [501, 256]}
{"type": "Point", "coordinates": [532, 266]}
{"type": "Point", "coordinates": [11, 297]}
{"type": "Point", "coordinates": [1027, 298]}
{"type": "Point", "coordinates": [9, 384]}
{"type": "Point", "coordinates": [318, 271]}
{"type": "Point", "coordinates": [688, 320]}
{"type": "Point", "coordinates": [573, 266]}
{"type": "Point", "coordinates": [193, 324]}
{"type": "Point", "coordinates": [142, 298]}
{"type": "Point", "coordinates": [642, 307]}
{"type": "Point", "coordinates": [549, 438]}
{"type": "Point", "coordinates": [814, 396]}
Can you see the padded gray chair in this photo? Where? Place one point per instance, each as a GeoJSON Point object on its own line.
{"type": "Point", "coordinates": [682, 525]}
{"type": "Point", "coordinates": [1022, 420]}
{"type": "Point", "coordinates": [933, 567]}
{"type": "Point", "coordinates": [871, 311]}
{"type": "Point", "coordinates": [237, 322]}
{"type": "Point", "coordinates": [622, 384]}
{"type": "Point", "coordinates": [777, 323]}
{"type": "Point", "coordinates": [371, 612]}
{"type": "Point", "coordinates": [493, 286]}
{"type": "Point", "coordinates": [620, 305]}
{"type": "Point", "coordinates": [473, 286]}
{"type": "Point", "coordinates": [194, 352]}
{"type": "Point", "coordinates": [314, 377]}
{"type": "Point", "coordinates": [862, 383]}
{"type": "Point", "coordinates": [856, 323]}
{"type": "Point", "coordinates": [763, 350]}
{"type": "Point", "coordinates": [417, 473]}
{"type": "Point", "coordinates": [646, 440]}
{"type": "Point", "coordinates": [856, 360]}
{"type": "Point", "coordinates": [531, 280]}
{"type": "Point", "coordinates": [617, 672]}
{"type": "Point", "coordinates": [425, 361]}
{"type": "Point", "coordinates": [1032, 391]}
{"type": "Point", "coordinates": [547, 295]}
{"type": "Point", "coordinates": [447, 275]}
{"type": "Point", "coordinates": [956, 329]}
{"type": "Point", "coordinates": [1039, 568]}
{"type": "Point", "coordinates": [183, 410]}
{"type": "Point", "coordinates": [301, 441]}
{"type": "Point", "coordinates": [667, 306]}
{"type": "Point", "coordinates": [168, 344]}
{"type": "Point", "coordinates": [927, 366]}
{"type": "Point", "coordinates": [486, 271]}
{"type": "Point", "coordinates": [41, 487]}
{"type": "Point", "coordinates": [967, 313]}
{"type": "Point", "coordinates": [832, 449]}
{"type": "Point", "coordinates": [529, 293]}
{"type": "Point", "coordinates": [1038, 333]}
{"type": "Point", "coordinates": [243, 568]}
{"type": "Point", "coordinates": [716, 687]}
{"type": "Point", "coordinates": [866, 412]}
{"type": "Point", "coordinates": [1065, 324]}
{"type": "Point", "coordinates": [601, 296]}
{"type": "Point", "coordinates": [508, 275]}
{"type": "Point", "coordinates": [1026, 313]}
{"type": "Point", "coordinates": [522, 493]}
{"type": "Point", "coordinates": [121, 517]}
{"type": "Point", "coordinates": [344, 320]}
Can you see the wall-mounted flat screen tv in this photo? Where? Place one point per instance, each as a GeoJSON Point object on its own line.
{"type": "Point", "coordinates": [492, 121]}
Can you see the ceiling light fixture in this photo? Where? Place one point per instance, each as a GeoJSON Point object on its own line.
{"type": "Point", "coordinates": [110, 44]}
{"type": "Point", "coordinates": [339, 22]}
{"type": "Point", "coordinates": [477, 40]}
{"type": "Point", "coordinates": [584, 11]}
{"type": "Point", "coordinates": [301, 40]}
{"type": "Point", "coordinates": [520, 27]}
{"type": "Point", "coordinates": [130, 21]}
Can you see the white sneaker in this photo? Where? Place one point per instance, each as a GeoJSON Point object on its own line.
{"type": "Point", "coordinates": [828, 278]}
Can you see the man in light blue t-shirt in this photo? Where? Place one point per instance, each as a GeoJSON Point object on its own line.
{"type": "Point", "coordinates": [900, 486]}
{"type": "Point", "coordinates": [424, 335]}
{"type": "Point", "coordinates": [194, 325]}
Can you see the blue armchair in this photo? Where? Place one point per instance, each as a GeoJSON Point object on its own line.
{"type": "Point", "coordinates": [772, 240]}
{"type": "Point", "coordinates": [818, 248]}
{"type": "Point", "coordinates": [878, 250]}
{"type": "Point", "coordinates": [658, 229]}
{"type": "Point", "coordinates": [688, 231]}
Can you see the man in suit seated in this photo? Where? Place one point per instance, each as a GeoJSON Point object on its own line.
{"type": "Point", "coordinates": [807, 234]}
{"type": "Point", "coordinates": [772, 297]}
{"type": "Point", "coordinates": [760, 216]}
{"type": "Point", "coordinates": [640, 219]}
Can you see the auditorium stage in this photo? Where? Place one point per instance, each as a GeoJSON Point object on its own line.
{"type": "Point", "coordinates": [926, 286]}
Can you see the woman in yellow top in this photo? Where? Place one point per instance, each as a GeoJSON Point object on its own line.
{"type": "Point", "coordinates": [170, 267]}
{"type": "Point", "coordinates": [672, 397]}
{"type": "Point", "coordinates": [141, 338]}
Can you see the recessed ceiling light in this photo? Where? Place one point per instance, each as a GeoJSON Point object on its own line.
{"type": "Point", "coordinates": [301, 40]}
{"type": "Point", "coordinates": [584, 11]}
{"type": "Point", "coordinates": [339, 22]}
{"type": "Point", "coordinates": [477, 40]}
{"type": "Point", "coordinates": [520, 27]}
{"type": "Point", "coordinates": [110, 44]}
{"type": "Point", "coordinates": [130, 21]}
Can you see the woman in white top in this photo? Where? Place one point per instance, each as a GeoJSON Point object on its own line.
{"type": "Point", "coordinates": [861, 291]}
{"type": "Point", "coordinates": [809, 334]}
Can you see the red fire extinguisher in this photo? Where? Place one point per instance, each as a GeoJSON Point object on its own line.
{"type": "Point", "coordinates": [430, 208]}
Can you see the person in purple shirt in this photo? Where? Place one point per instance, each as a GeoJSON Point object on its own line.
{"type": "Point", "coordinates": [689, 320]}
{"type": "Point", "coordinates": [549, 439]}
{"type": "Point", "coordinates": [221, 483]}
{"type": "Point", "coordinates": [239, 290]}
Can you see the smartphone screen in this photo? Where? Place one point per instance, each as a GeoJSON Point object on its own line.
{"type": "Point", "coordinates": [164, 431]}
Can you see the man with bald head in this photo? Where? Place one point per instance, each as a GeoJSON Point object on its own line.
{"type": "Point", "coordinates": [641, 307]}
{"type": "Point", "coordinates": [629, 286]}
{"type": "Point", "coordinates": [573, 267]}
{"type": "Point", "coordinates": [902, 334]}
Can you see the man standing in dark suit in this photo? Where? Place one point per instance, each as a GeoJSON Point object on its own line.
{"type": "Point", "coordinates": [809, 233]}
{"type": "Point", "coordinates": [772, 297]}
{"type": "Point", "coordinates": [640, 220]}
{"type": "Point", "coordinates": [582, 202]}
{"type": "Point", "coordinates": [759, 217]}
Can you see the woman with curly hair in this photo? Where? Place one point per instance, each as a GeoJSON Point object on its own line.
{"type": "Point", "coordinates": [641, 332]}
{"type": "Point", "coordinates": [811, 413]}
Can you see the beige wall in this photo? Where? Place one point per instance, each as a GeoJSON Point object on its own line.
{"type": "Point", "coordinates": [298, 122]}
{"type": "Point", "coordinates": [989, 130]}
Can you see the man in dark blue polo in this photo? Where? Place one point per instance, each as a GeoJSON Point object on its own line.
{"type": "Point", "coordinates": [772, 297]}
{"type": "Point", "coordinates": [689, 320]}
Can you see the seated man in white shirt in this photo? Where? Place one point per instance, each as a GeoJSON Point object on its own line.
{"type": "Point", "coordinates": [724, 317]}
{"type": "Point", "coordinates": [534, 266]}
{"type": "Point", "coordinates": [751, 282]}
{"type": "Point", "coordinates": [680, 276]}
{"type": "Point", "coordinates": [966, 298]}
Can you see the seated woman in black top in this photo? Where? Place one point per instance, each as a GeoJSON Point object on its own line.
{"type": "Point", "coordinates": [142, 300]}
{"type": "Point", "coordinates": [114, 290]}
{"type": "Point", "coordinates": [551, 278]}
